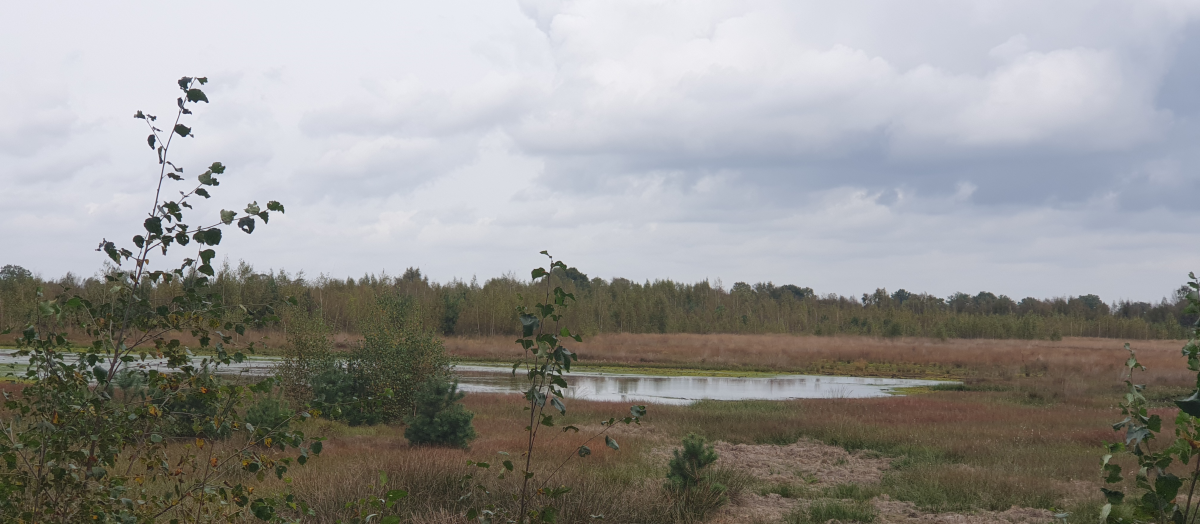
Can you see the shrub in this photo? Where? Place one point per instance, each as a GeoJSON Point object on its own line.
{"type": "Point", "coordinates": [307, 354]}
{"type": "Point", "coordinates": [439, 419]}
{"type": "Point", "coordinates": [684, 470]}
{"type": "Point", "coordinates": [73, 451]}
{"type": "Point", "coordinates": [397, 355]}
{"type": "Point", "coordinates": [695, 494]}
{"type": "Point", "coordinates": [195, 411]}
{"type": "Point", "coordinates": [269, 414]}
{"type": "Point", "coordinates": [342, 394]}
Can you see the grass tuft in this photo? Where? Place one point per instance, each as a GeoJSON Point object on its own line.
{"type": "Point", "coordinates": [825, 510]}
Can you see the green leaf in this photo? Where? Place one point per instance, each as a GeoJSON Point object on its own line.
{"type": "Point", "coordinates": [211, 236]}
{"type": "Point", "coordinates": [155, 438]}
{"type": "Point", "coordinates": [1167, 485]}
{"type": "Point", "coordinates": [508, 465]}
{"type": "Point", "coordinates": [246, 224]}
{"type": "Point", "coordinates": [196, 95]}
{"type": "Point", "coordinates": [227, 216]}
{"type": "Point", "coordinates": [390, 519]}
{"type": "Point", "coordinates": [538, 273]}
{"type": "Point", "coordinates": [184, 83]}
{"type": "Point", "coordinates": [1191, 404]}
{"type": "Point", "coordinates": [151, 139]}
{"type": "Point", "coordinates": [262, 510]}
{"type": "Point", "coordinates": [394, 495]}
{"type": "Point", "coordinates": [217, 168]}
{"type": "Point", "coordinates": [558, 405]}
{"type": "Point", "coordinates": [183, 130]}
{"type": "Point", "coordinates": [275, 206]}
{"type": "Point", "coordinates": [611, 443]}
{"type": "Point", "coordinates": [1113, 496]}
{"type": "Point", "coordinates": [252, 208]}
{"type": "Point", "coordinates": [153, 225]}
{"type": "Point", "coordinates": [584, 451]}
{"type": "Point", "coordinates": [529, 323]}
{"type": "Point", "coordinates": [637, 411]}
{"type": "Point", "coordinates": [202, 192]}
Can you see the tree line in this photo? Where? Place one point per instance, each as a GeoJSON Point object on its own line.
{"type": "Point", "coordinates": [618, 305]}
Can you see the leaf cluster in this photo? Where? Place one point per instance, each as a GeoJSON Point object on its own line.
{"type": "Point", "coordinates": [546, 363]}
{"type": "Point", "coordinates": [1164, 495]}
{"type": "Point", "coordinates": [131, 426]}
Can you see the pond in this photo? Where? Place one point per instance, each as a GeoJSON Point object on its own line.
{"type": "Point", "coordinates": [624, 387]}
{"type": "Point", "coordinates": [658, 389]}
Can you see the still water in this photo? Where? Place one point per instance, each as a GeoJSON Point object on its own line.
{"type": "Point", "coordinates": [619, 387]}
{"type": "Point", "coordinates": [688, 389]}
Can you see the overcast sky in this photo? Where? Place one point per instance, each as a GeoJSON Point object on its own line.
{"type": "Point", "coordinates": [1028, 148]}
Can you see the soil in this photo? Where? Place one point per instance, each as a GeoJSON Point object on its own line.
{"type": "Point", "coordinates": [817, 465]}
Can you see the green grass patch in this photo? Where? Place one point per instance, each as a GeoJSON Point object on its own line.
{"type": "Point", "coordinates": [954, 487]}
{"type": "Point", "coordinates": [852, 492]}
{"type": "Point", "coordinates": [663, 370]}
{"type": "Point", "coordinates": [824, 510]}
{"type": "Point", "coordinates": [787, 491]}
{"type": "Point", "coordinates": [701, 369]}
{"type": "Point", "coordinates": [960, 386]}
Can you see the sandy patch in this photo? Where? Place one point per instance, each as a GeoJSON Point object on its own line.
{"type": "Point", "coordinates": [817, 465]}
{"type": "Point", "coordinates": [805, 462]}
{"type": "Point", "coordinates": [895, 511]}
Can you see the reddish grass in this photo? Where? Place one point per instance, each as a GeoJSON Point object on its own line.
{"type": "Point", "coordinates": [858, 355]}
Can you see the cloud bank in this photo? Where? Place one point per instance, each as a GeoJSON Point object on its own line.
{"type": "Point", "coordinates": [937, 146]}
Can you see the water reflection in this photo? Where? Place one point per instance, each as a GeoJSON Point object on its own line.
{"type": "Point", "coordinates": [614, 386]}
{"type": "Point", "coordinates": [684, 390]}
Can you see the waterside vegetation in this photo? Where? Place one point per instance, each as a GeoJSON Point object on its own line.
{"type": "Point", "coordinates": [473, 309]}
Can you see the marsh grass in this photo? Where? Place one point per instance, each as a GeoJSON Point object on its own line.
{"type": "Point", "coordinates": [787, 490]}
{"type": "Point", "coordinates": [989, 359]}
{"type": "Point", "coordinates": [824, 510]}
{"type": "Point", "coordinates": [853, 491]}
{"type": "Point", "coordinates": [1024, 429]}
{"type": "Point", "coordinates": [950, 452]}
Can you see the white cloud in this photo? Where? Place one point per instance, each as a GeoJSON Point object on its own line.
{"type": "Point", "coordinates": [927, 145]}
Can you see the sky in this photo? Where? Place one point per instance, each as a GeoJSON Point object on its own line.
{"type": "Point", "coordinates": [1026, 148]}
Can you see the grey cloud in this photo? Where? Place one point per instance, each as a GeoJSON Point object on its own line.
{"type": "Point", "coordinates": [1034, 125]}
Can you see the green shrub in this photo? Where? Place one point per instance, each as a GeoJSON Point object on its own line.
{"type": "Point", "coordinates": [308, 353]}
{"type": "Point", "coordinates": [398, 354]}
{"type": "Point", "coordinates": [269, 414]}
{"type": "Point", "coordinates": [439, 419]}
{"type": "Point", "coordinates": [342, 394]}
{"type": "Point", "coordinates": [684, 470]}
{"type": "Point", "coordinates": [193, 412]}
{"type": "Point", "coordinates": [695, 495]}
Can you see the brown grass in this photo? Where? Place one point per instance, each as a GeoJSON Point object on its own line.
{"type": "Point", "coordinates": [1026, 432]}
{"type": "Point", "coordinates": [853, 354]}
